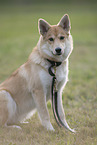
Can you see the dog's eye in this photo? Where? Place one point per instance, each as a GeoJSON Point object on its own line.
{"type": "Point", "coordinates": [62, 37]}
{"type": "Point", "coordinates": [51, 39]}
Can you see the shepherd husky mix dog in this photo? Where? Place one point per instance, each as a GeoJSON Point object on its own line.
{"type": "Point", "coordinates": [29, 87]}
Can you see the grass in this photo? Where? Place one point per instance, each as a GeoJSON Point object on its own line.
{"type": "Point", "coordinates": [18, 35]}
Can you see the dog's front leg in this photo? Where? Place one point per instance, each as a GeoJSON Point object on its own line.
{"type": "Point", "coordinates": [40, 101]}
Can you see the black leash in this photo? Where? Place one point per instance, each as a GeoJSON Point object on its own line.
{"type": "Point", "coordinates": [54, 91]}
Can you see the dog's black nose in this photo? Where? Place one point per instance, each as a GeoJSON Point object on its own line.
{"type": "Point", "coordinates": [58, 51]}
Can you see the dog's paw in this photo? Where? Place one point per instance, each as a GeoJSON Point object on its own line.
{"type": "Point", "coordinates": [13, 126]}
{"type": "Point", "coordinates": [24, 122]}
{"type": "Point", "coordinates": [48, 126]}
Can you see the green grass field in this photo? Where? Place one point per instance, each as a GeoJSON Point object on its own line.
{"type": "Point", "coordinates": [18, 35]}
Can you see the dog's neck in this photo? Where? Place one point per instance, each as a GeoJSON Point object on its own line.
{"type": "Point", "coordinates": [53, 64]}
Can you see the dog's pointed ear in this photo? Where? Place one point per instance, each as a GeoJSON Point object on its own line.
{"type": "Point", "coordinates": [43, 26]}
{"type": "Point", "coordinates": [65, 22]}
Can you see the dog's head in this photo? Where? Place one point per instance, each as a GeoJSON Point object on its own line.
{"type": "Point", "coordinates": [55, 42]}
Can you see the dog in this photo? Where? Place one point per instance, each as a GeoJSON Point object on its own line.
{"type": "Point", "coordinates": [29, 87]}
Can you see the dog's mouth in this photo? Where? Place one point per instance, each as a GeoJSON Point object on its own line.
{"type": "Point", "coordinates": [57, 54]}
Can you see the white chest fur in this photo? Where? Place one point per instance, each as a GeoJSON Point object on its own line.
{"type": "Point", "coordinates": [61, 75]}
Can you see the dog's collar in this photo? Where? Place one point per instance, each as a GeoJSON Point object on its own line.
{"type": "Point", "coordinates": [53, 63]}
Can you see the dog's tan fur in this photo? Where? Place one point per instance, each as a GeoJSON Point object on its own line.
{"type": "Point", "coordinates": [29, 86]}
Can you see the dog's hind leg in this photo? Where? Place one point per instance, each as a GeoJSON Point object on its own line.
{"type": "Point", "coordinates": [3, 108]}
{"type": "Point", "coordinates": [7, 110]}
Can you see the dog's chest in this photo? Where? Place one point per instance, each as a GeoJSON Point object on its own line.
{"type": "Point", "coordinates": [46, 78]}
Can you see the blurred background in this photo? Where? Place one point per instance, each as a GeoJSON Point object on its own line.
{"type": "Point", "coordinates": [19, 34]}
{"type": "Point", "coordinates": [19, 26]}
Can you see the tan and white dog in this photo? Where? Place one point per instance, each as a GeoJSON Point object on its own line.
{"type": "Point", "coordinates": [29, 87]}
